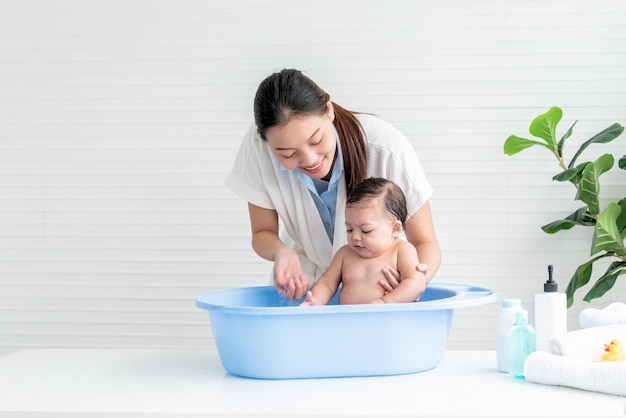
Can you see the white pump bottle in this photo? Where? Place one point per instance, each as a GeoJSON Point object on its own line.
{"type": "Point", "coordinates": [550, 312]}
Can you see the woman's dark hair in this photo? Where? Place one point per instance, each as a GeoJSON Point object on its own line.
{"type": "Point", "coordinates": [394, 201]}
{"type": "Point", "coordinates": [290, 94]}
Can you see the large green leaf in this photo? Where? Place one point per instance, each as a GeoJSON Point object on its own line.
{"type": "Point", "coordinates": [580, 217]}
{"type": "Point", "coordinates": [621, 219]}
{"type": "Point", "coordinates": [544, 126]}
{"type": "Point", "coordinates": [589, 187]}
{"type": "Point", "coordinates": [561, 143]}
{"type": "Point", "coordinates": [606, 282]}
{"type": "Point", "coordinates": [603, 137]}
{"type": "Point", "coordinates": [573, 174]}
{"type": "Point", "coordinates": [515, 144]}
{"type": "Point", "coordinates": [607, 235]}
{"type": "Point", "coordinates": [579, 279]}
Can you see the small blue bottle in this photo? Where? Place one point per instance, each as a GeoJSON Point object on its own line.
{"type": "Point", "coordinates": [520, 343]}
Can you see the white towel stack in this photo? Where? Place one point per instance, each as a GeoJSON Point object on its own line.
{"type": "Point", "coordinates": [613, 314]}
{"type": "Point", "coordinates": [586, 344]}
{"type": "Point", "coordinates": [574, 358]}
{"type": "Point", "coordinates": [551, 369]}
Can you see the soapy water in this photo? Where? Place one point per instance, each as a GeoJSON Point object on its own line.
{"type": "Point", "coordinates": [283, 301]}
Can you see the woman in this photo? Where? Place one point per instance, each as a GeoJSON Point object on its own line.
{"type": "Point", "coordinates": [297, 164]}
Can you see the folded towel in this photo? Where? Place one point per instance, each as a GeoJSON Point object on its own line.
{"type": "Point", "coordinates": [615, 313]}
{"type": "Point", "coordinates": [551, 369]}
{"type": "Point", "coordinates": [588, 343]}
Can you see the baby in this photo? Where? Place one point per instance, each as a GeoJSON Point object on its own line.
{"type": "Point", "coordinates": [375, 216]}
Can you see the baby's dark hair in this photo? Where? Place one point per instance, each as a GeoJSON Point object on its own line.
{"type": "Point", "coordinates": [394, 201]}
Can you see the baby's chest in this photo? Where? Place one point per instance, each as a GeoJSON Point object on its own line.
{"type": "Point", "coordinates": [368, 270]}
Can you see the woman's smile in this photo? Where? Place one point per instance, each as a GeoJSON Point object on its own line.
{"type": "Point", "coordinates": [316, 168]}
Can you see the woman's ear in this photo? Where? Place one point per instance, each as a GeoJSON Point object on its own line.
{"type": "Point", "coordinates": [331, 110]}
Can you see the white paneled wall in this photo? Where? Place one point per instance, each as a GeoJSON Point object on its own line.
{"type": "Point", "coordinates": [119, 121]}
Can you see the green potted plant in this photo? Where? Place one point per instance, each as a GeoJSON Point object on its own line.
{"type": "Point", "coordinates": [609, 222]}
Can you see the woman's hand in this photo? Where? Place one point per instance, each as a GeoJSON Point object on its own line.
{"type": "Point", "coordinates": [288, 277]}
{"type": "Point", "coordinates": [392, 276]}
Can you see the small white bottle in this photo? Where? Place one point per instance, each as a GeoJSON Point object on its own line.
{"type": "Point", "coordinates": [506, 319]}
{"type": "Point", "coordinates": [520, 344]}
{"type": "Point", "coordinates": [550, 312]}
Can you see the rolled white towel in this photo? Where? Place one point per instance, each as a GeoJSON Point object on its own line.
{"type": "Point", "coordinates": [613, 314]}
{"type": "Point", "coordinates": [588, 343]}
{"type": "Point", "coordinates": [551, 369]}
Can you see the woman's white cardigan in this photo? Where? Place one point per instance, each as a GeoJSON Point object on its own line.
{"type": "Point", "coordinates": [257, 177]}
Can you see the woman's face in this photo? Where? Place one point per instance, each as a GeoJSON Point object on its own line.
{"type": "Point", "coordinates": [306, 144]}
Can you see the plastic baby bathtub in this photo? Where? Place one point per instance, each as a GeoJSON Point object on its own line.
{"type": "Point", "coordinates": [259, 334]}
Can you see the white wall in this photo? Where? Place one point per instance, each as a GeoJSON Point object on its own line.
{"type": "Point", "coordinates": [119, 120]}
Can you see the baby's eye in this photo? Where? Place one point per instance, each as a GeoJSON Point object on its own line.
{"type": "Point", "coordinates": [348, 230]}
{"type": "Point", "coordinates": [366, 232]}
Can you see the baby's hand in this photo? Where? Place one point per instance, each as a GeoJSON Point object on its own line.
{"type": "Point", "coordinates": [309, 301]}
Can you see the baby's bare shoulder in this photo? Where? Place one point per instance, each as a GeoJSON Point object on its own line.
{"type": "Point", "coordinates": [405, 249]}
{"type": "Point", "coordinates": [404, 245]}
{"type": "Point", "coordinates": [341, 252]}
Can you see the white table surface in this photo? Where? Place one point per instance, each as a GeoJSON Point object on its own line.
{"type": "Point", "coordinates": [163, 383]}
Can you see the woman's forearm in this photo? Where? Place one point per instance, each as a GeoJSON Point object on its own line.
{"type": "Point", "coordinates": [420, 232]}
{"type": "Point", "coordinates": [265, 240]}
{"type": "Point", "coordinates": [267, 244]}
{"type": "Point", "coordinates": [429, 253]}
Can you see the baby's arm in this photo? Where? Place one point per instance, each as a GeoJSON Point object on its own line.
{"type": "Point", "coordinates": [326, 286]}
{"type": "Point", "coordinates": [412, 282]}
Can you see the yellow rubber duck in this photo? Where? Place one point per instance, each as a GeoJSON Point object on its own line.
{"type": "Point", "coordinates": [614, 351]}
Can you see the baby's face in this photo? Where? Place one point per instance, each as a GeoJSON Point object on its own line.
{"type": "Point", "coordinates": [370, 230]}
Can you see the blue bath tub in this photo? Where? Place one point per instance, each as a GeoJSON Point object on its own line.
{"type": "Point", "coordinates": [259, 334]}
